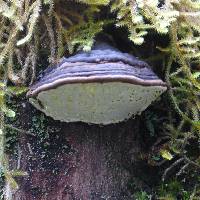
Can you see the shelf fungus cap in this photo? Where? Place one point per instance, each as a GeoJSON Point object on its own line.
{"type": "Point", "coordinates": [102, 86]}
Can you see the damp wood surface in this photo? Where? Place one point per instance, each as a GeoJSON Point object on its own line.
{"type": "Point", "coordinates": [78, 162]}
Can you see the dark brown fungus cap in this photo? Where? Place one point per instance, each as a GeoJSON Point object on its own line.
{"type": "Point", "coordinates": [102, 86]}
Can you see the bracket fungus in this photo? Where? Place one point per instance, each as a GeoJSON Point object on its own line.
{"type": "Point", "coordinates": [102, 86]}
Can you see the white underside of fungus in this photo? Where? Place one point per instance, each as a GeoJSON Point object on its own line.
{"type": "Point", "coordinates": [98, 103]}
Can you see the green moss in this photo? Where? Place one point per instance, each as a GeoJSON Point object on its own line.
{"type": "Point", "coordinates": [141, 196]}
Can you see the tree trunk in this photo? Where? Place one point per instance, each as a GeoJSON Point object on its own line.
{"type": "Point", "coordinates": [78, 162]}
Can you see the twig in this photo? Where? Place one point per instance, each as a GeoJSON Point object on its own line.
{"type": "Point", "coordinates": [51, 37]}
{"type": "Point", "coordinates": [191, 162]}
{"type": "Point", "coordinates": [19, 157]}
{"type": "Point", "coordinates": [33, 66]}
{"type": "Point", "coordinates": [29, 148]}
{"type": "Point", "coordinates": [19, 130]}
{"type": "Point", "coordinates": [193, 193]}
{"type": "Point", "coordinates": [25, 67]}
{"type": "Point", "coordinates": [160, 139]}
{"type": "Point", "coordinates": [159, 163]}
{"type": "Point", "coordinates": [182, 169]}
{"type": "Point", "coordinates": [171, 166]}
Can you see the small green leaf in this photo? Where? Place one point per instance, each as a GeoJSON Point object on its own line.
{"type": "Point", "coordinates": [18, 173]}
{"type": "Point", "coordinates": [156, 157]}
{"type": "Point", "coordinates": [137, 19]}
{"type": "Point", "coordinates": [11, 180]}
{"type": "Point", "coordinates": [9, 13]}
{"type": "Point", "coordinates": [2, 93]}
{"type": "Point", "coordinates": [196, 124]}
{"type": "Point", "coordinates": [137, 40]}
{"type": "Point", "coordinates": [2, 84]}
{"type": "Point", "coordinates": [17, 90]}
{"type": "Point", "coordinates": [166, 154]}
{"type": "Point", "coordinates": [196, 75]}
{"type": "Point", "coordinates": [8, 112]}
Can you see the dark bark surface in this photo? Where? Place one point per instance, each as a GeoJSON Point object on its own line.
{"type": "Point", "coordinates": [76, 162]}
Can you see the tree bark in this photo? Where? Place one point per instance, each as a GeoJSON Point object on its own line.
{"type": "Point", "coordinates": [78, 162]}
